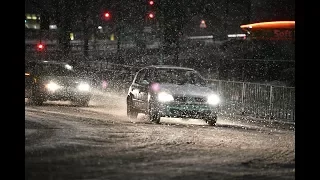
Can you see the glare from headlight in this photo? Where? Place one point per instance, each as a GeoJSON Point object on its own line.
{"type": "Point", "coordinates": [84, 87]}
{"type": "Point", "coordinates": [165, 97]}
{"type": "Point", "coordinates": [52, 86]}
{"type": "Point", "coordinates": [213, 99]}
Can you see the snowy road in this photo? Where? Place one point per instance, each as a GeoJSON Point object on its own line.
{"type": "Point", "coordinates": [99, 142]}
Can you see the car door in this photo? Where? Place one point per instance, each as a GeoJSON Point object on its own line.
{"type": "Point", "coordinates": [136, 88]}
{"type": "Point", "coordinates": [144, 89]}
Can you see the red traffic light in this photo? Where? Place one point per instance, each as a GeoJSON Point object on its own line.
{"type": "Point", "coordinates": [107, 15]}
{"type": "Point", "coordinates": [151, 15]}
{"type": "Point", "coordinates": [151, 2]}
{"type": "Point", "coordinates": [40, 47]}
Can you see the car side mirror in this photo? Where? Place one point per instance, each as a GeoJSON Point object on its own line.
{"type": "Point", "coordinates": [145, 82]}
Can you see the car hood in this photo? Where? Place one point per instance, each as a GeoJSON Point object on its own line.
{"type": "Point", "coordinates": [66, 80]}
{"type": "Point", "coordinates": [186, 90]}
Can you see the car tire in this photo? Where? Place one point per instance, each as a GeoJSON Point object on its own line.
{"type": "Point", "coordinates": [131, 112]}
{"type": "Point", "coordinates": [211, 121]}
{"type": "Point", "coordinates": [153, 113]}
{"type": "Point", "coordinates": [82, 102]}
{"type": "Point", "coordinates": [36, 98]}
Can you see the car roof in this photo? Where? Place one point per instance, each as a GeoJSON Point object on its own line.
{"type": "Point", "coordinates": [168, 67]}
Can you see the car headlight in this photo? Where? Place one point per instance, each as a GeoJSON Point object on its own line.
{"type": "Point", "coordinates": [165, 97]}
{"type": "Point", "coordinates": [51, 86]}
{"type": "Point", "coordinates": [213, 99]}
{"type": "Point", "coordinates": [84, 87]}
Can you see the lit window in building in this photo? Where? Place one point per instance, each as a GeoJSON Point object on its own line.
{"type": "Point", "coordinates": [53, 26]}
{"type": "Point", "coordinates": [71, 36]}
{"type": "Point", "coordinates": [34, 16]}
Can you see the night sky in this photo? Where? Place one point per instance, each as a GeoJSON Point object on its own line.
{"type": "Point", "coordinates": [260, 10]}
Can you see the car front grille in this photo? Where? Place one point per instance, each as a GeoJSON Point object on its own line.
{"type": "Point", "coordinates": [189, 100]}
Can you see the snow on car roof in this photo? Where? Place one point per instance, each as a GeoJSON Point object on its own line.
{"type": "Point", "coordinates": [169, 67]}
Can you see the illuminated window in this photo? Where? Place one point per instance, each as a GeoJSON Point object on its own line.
{"type": "Point", "coordinates": [71, 36]}
{"type": "Point", "coordinates": [53, 26]}
{"type": "Point", "coordinates": [34, 17]}
{"type": "Point", "coordinates": [28, 16]}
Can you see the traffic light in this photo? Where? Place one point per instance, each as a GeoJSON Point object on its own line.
{"type": "Point", "coordinates": [151, 15]}
{"type": "Point", "coordinates": [107, 15]}
{"type": "Point", "coordinates": [40, 47]}
{"type": "Point", "coordinates": [150, 10]}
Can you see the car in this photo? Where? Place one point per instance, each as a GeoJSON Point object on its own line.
{"type": "Point", "coordinates": [170, 91]}
{"type": "Point", "coordinates": [56, 81]}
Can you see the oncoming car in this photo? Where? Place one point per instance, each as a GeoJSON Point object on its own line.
{"type": "Point", "coordinates": [169, 91]}
{"type": "Point", "coordinates": [55, 81]}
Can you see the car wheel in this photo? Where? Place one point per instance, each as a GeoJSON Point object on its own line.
{"type": "Point", "coordinates": [211, 121]}
{"type": "Point", "coordinates": [36, 98]}
{"type": "Point", "coordinates": [153, 113]}
{"type": "Point", "coordinates": [82, 102]}
{"type": "Point", "coordinates": [131, 112]}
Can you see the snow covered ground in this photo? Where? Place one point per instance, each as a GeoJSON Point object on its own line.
{"type": "Point", "coordinates": [99, 142]}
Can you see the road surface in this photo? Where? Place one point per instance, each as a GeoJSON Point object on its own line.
{"type": "Point", "coordinates": [63, 141]}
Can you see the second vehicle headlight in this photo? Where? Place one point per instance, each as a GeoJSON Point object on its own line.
{"type": "Point", "coordinates": [52, 86]}
{"type": "Point", "coordinates": [213, 99]}
{"type": "Point", "coordinates": [165, 97]}
{"type": "Point", "coordinates": [84, 87]}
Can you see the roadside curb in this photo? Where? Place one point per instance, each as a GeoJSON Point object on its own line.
{"type": "Point", "coordinates": [250, 119]}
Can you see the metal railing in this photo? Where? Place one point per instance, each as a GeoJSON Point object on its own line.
{"type": "Point", "coordinates": [258, 100]}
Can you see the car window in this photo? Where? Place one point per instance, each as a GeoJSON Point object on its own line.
{"type": "Point", "coordinates": [54, 70]}
{"type": "Point", "coordinates": [147, 75]}
{"type": "Point", "coordinates": [178, 76]}
{"type": "Point", "coordinates": [140, 76]}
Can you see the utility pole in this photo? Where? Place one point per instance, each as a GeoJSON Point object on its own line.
{"type": "Point", "coordinates": [226, 17]}
{"type": "Point", "coordinates": [118, 24]}
{"type": "Point", "coordinates": [249, 11]}
{"type": "Point", "coordinates": [161, 31]}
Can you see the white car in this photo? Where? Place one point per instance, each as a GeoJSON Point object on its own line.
{"type": "Point", "coordinates": [169, 91]}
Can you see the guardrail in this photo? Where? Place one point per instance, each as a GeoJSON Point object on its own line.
{"type": "Point", "coordinates": [257, 100]}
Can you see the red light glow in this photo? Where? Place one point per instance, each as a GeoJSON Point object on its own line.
{"type": "Point", "coordinates": [155, 87]}
{"type": "Point", "coordinates": [106, 15]}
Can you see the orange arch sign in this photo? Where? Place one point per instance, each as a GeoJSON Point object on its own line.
{"type": "Point", "coordinates": [273, 30]}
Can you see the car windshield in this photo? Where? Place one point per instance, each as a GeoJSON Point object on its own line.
{"type": "Point", "coordinates": [55, 70]}
{"type": "Point", "coordinates": [178, 76]}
